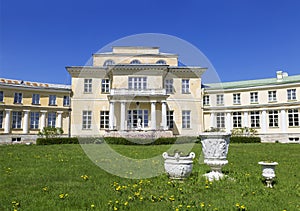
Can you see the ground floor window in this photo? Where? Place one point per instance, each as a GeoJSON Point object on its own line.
{"type": "Point", "coordinates": [254, 117]}
{"type": "Point", "coordinates": [273, 118]}
{"type": "Point", "coordinates": [104, 119]}
{"type": "Point", "coordinates": [237, 119]}
{"type": "Point", "coordinates": [186, 119]}
{"type": "Point", "coordinates": [1, 119]}
{"type": "Point", "coordinates": [220, 119]}
{"type": "Point", "coordinates": [34, 120]}
{"type": "Point", "coordinates": [137, 118]}
{"type": "Point", "coordinates": [170, 119]}
{"type": "Point", "coordinates": [51, 119]}
{"type": "Point", "coordinates": [86, 120]}
{"type": "Point", "coordinates": [293, 117]}
{"type": "Point", "coordinates": [16, 119]}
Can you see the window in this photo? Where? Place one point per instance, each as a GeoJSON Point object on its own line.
{"type": "Point", "coordinates": [1, 119]}
{"type": "Point", "coordinates": [169, 86]}
{"type": "Point", "coordinates": [161, 61]}
{"type": "Point", "coordinates": [86, 120]}
{"type": "Point", "coordinates": [186, 119]}
{"type": "Point", "coordinates": [170, 119]}
{"type": "Point", "coordinates": [253, 97]}
{"type": "Point", "coordinates": [220, 117]}
{"type": "Point", "coordinates": [220, 99]}
{"type": "Point", "coordinates": [35, 99]}
{"type": "Point", "coordinates": [237, 119]}
{"type": "Point", "coordinates": [51, 119]}
{"type": "Point", "coordinates": [105, 86]}
{"type": "Point", "coordinates": [273, 118]}
{"type": "Point", "coordinates": [206, 100]}
{"type": "Point", "coordinates": [135, 61]}
{"type": "Point", "coordinates": [34, 120]}
{"type": "Point", "coordinates": [138, 118]}
{"type": "Point", "coordinates": [291, 94]}
{"type": "Point", "coordinates": [185, 86]}
{"type": "Point", "coordinates": [254, 118]}
{"type": "Point", "coordinates": [272, 96]}
{"type": "Point", "coordinates": [1, 96]}
{"type": "Point", "coordinates": [294, 139]}
{"type": "Point", "coordinates": [137, 83]}
{"type": "Point", "coordinates": [66, 101]}
{"type": "Point", "coordinates": [237, 98]}
{"type": "Point", "coordinates": [104, 119]}
{"type": "Point", "coordinates": [293, 117]}
{"type": "Point", "coordinates": [52, 99]}
{"type": "Point", "coordinates": [108, 62]}
{"type": "Point", "coordinates": [18, 97]}
{"type": "Point", "coordinates": [87, 85]}
{"type": "Point", "coordinates": [16, 119]}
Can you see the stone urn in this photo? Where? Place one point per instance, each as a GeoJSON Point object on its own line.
{"type": "Point", "coordinates": [268, 172]}
{"type": "Point", "coordinates": [215, 149]}
{"type": "Point", "coordinates": [177, 166]}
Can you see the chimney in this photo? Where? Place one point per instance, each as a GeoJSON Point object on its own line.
{"type": "Point", "coordinates": [281, 75]}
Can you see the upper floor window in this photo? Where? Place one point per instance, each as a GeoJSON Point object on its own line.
{"type": "Point", "coordinates": [237, 98]}
{"type": "Point", "coordinates": [272, 96]}
{"type": "Point", "coordinates": [169, 86]}
{"type": "Point", "coordinates": [1, 96]}
{"type": "Point", "coordinates": [52, 99]}
{"type": "Point", "coordinates": [66, 101]}
{"type": "Point", "coordinates": [105, 86]}
{"type": "Point", "coordinates": [291, 94]}
{"type": "Point", "coordinates": [137, 83]}
{"type": "Point", "coordinates": [135, 61]}
{"type": "Point", "coordinates": [35, 99]}
{"type": "Point", "coordinates": [161, 61]}
{"type": "Point", "coordinates": [206, 100]}
{"type": "Point", "coordinates": [293, 117]}
{"type": "Point", "coordinates": [87, 85]}
{"type": "Point", "coordinates": [253, 97]}
{"type": "Point", "coordinates": [186, 119]}
{"type": "Point", "coordinates": [108, 62]}
{"type": "Point", "coordinates": [18, 97]}
{"type": "Point", "coordinates": [185, 86]}
{"type": "Point", "coordinates": [220, 99]}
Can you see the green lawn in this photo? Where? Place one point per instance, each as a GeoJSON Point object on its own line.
{"type": "Point", "coordinates": [62, 177]}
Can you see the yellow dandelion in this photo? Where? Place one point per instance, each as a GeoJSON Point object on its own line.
{"type": "Point", "coordinates": [92, 206]}
{"type": "Point", "coordinates": [126, 203]}
{"type": "Point", "coordinates": [115, 208]}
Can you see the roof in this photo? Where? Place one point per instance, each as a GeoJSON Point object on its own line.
{"type": "Point", "coordinates": [253, 83]}
{"type": "Point", "coordinates": [30, 84]}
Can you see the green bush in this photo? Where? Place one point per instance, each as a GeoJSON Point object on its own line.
{"type": "Point", "coordinates": [245, 139]}
{"type": "Point", "coordinates": [49, 141]}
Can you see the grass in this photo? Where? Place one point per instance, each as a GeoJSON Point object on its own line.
{"type": "Point", "coordinates": [62, 177]}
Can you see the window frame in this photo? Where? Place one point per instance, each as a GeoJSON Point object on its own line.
{"type": "Point", "coordinates": [185, 86]}
{"type": "Point", "coordinates": [86, 120]}
{"type": "Point", "coordinates": [1, 96]}
{"type": "Point", "coordinates": [237, 119]}
{"type": "Point", "coordinates": [293, 117]}
{"type": "Point", "coordinates": [52, 100]}
{"type": "Point", "coordinates": [220, 120]}
{"type": "Point", "coordinates": [255, 119]}
{"type": "Point", "coordinates": [105, 85]}
{"type": "Point", "coordinates": [1, 118]}
{"type": "Point", "coordinates": [18, 98]}
{"type": "Point", "coordinates": [104, 119]}
{"type": "Point", "coordinates": [16, 120]}
{"type": "Point", "coordinates": [66, 100]}
{"type": "Point", "coordinates": [273, 117]}
{"type": "Point", "coordinates": [236, 98]}
{"type": "Point", "coordinates": [186, 119]}
{"type": "Point", "coordinates": [35, 99]}
{"type": "Point", "coordinates": [206, 100]}
{"type": "Point", "coordinates": [291, 95]}
{"type": "Point", "coordinates": [170, 119]}
{"type": "Point", "coordinates": [272, 96]}
{"type": "Point", "coordinates": [253, 97]}
{"type": "Point", "coordinates": [51, 119]}
{"type": "Point", "coordinates": [34, 120]}
{"type": "Point", "coordinates": [88, 85]}
{"type": "Point", "coordinates": [220, 99]}
{"type": "Point", "coordinates": [169, 86]}
{"type": "Point", "coordinates": [137, 83]}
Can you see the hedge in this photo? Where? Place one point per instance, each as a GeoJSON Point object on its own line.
{"type": "Point", "coordinates": [245, 139]}
{"type": "Point", "coordinates": [49, 141]}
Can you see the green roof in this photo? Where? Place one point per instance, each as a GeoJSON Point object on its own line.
{"type": "Point", "coordinates": [252, 83]}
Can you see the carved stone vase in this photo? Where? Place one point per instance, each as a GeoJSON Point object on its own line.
{"type": "Point", "coordinates": [177, 166]}
{"type": "Point", "coordinates": [215, 149]}
{"type": "Point", "coordinates": [268, 172]}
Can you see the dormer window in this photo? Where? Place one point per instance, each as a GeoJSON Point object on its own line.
{"type": "Point", "coordinates": [135, 61]}
{"type": "Point", "coordinates": [108, 62]}
{"type": "Point", "coordinates": [161, 61]}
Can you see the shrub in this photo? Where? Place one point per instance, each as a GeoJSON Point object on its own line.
{"type": "Point", "coordinates": [49, 141]}
{"type": "Point", "coordinates": [245, 139]}
{"type": "Point", "coordinates": [51, 132]}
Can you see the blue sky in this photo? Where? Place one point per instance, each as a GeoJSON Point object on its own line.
{"type": "Point", "coordinates": [243, 39]}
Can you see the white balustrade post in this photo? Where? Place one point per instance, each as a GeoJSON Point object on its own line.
{"type": "Point", "coordinates": [111, 115]}
{"type": "Point", "coordinates": [153, 115]}
{"type": "Point", "coordinates": [122, 118]}
{"type": "Point", "coordinates": [164, 115]}
{"type": "Point", "coordinates": [7, 121]}
{"type": "Point", "coordinates": [25, 121]}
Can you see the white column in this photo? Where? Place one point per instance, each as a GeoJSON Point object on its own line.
{"type": "Point", "coordinates": [111, 115]}
{"type": "Point", "coordinates": [43, 120]}
{"type": "Point", "coordinates": [59, 119]}
{"type": "Point", "coordinates": [153, 115]}
{"type": "Point", "coordinates": [228, 123]}
{"type": "Point", "coordinates": [25, 121]}
{"type": "Point", "coordinates": [283, 121]}
{"type": "Point", "coordinates": [7, 121]}
{"type": "Point", "coordinates": [246, 119]}
{"type": "Point", "coordinates": [264, 121]}
{"type": "Point", "coordinates": [212, 120]}
{"type": "Point", "coordinates": [122, 119]}
{"type": "Point", "coordinates": [164, 115]}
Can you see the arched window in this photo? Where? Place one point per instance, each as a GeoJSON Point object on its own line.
{"type": "Point", "coordinates": [108, 62]}
{"type": "Point", "coordinates": [161, 61]}
{"type": "Point", "coordinates": [135, 61]}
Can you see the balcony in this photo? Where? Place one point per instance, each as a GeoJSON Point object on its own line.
{"type": "Point", "coordinates": [137, 92]}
